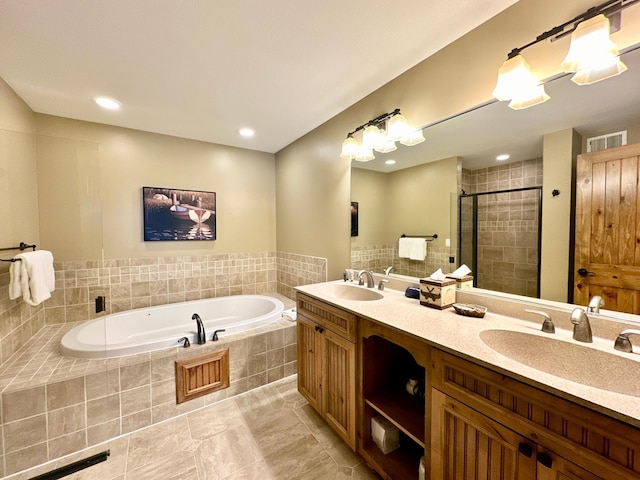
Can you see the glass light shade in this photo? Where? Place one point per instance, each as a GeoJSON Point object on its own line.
{"type": "Point", "coordinates": [592, 54]}
{"type": "Point", "coordinates": [517, 83]}
{"type": "Point", "coordinates": [397, 127]}
{"type": "Point", "coordinates": [349, 148]}
{"type": "Point", "coordinates": [386, 146]}
{"type": "Point", "coordinates": [364, 154]}
{"type": "Point", "coordinates": [414, 138]}
{"type": "Point", "coordinates": [371, 137]}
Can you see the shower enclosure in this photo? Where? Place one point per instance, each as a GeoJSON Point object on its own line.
{"type": "Point", "coordinates": [499, 238]}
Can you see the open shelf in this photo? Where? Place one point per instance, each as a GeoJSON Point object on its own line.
{"type": "Point", "coordinates": [401, 463]}
{"type": "Point", "coordinates": [403, 410]}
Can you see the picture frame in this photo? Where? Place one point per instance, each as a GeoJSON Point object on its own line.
{"type": "Point", "coordinates": [172, 214]}
{"type": "Point", "coordinates": [354, 219]}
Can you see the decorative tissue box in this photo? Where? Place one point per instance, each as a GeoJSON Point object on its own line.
{"type": "Point", "coordinates": [439, 294]}
{"type": "Point", "coordinates": [463, 282]}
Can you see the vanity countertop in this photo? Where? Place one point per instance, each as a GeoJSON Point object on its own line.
{"type": "Point", "coordinates": [461, 336]}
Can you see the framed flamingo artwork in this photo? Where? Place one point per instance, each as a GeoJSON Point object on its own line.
{"type": "Point", "coordinates": [173, 214]}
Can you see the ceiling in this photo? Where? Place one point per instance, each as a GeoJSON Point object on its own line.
{"type": "Point", "coordinates": [204, 69]}
{"type": "Point", "coordinates": [478, 136]}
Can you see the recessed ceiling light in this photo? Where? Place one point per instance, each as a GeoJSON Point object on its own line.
{"type": "Point", "coordinates": [503, 157]}
{"type": "Point", "coordinates": [247, 132]}
{"type": "Point", "coordinates": [108, 103]}
{"type": "Point", "coordinates": [389, 162]}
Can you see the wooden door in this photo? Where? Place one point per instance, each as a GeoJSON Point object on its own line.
{"type": "Point", "coordinates": [339, 385]}
{"type": "Point", "coordinates": [607, 254]}
{"type": "Point", "coordinates": [309, 362]}
{"type": "Point", "coordinates": [467, 445]}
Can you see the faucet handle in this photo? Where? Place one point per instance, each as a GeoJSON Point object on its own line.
{"type": "Point", "coordinates": [623, 343]}
{"type": "Point", "coordinates": [547, 324]}
{"type": "Point", "coordinates": [381, 284]}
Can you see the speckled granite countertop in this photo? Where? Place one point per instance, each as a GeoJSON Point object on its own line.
{"type": "Point", "coordinates": [463, 336]}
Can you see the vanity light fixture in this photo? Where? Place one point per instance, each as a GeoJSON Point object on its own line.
{"type": "Point", "coordinates": [107, 103]}
{"type": "Point", "coordinates": [380, 134]}
{"type": "Point", "coordinates": [592, 56]}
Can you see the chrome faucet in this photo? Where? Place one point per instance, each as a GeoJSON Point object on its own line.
{"type": "Point", "coordinates": [370, 281]}
{"type": "Point", "coordinates": [623, 343]}
{"type": "Point", "coordinates": [595, 303]}
{"type": "Point", "coordinates": [202, 338]}
{"type": "Point", "coordinates": [581, 326]}
{"type": "Point", "coordinates": [381, 284]}
{"type": "Point", "coordinates": [547, 324]}
{"type": "Point", "coordinates": [387, 270]}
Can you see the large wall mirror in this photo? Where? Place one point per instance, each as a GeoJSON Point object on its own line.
{"type": "Point", "coordinates": [419, 194]}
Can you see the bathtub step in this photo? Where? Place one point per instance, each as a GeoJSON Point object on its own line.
{"type": "Point", "coordinates": [201, 375]}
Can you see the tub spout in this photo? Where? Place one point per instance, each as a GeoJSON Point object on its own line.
{"type": "Point", "coordinates": [202, 338]}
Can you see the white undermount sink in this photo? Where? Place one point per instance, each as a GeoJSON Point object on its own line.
{"type": "Point", "coordinates": [351, 292]}
{"type": "Point", "coordinates": [571, 361]}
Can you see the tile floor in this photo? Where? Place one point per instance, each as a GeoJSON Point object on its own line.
{"type": "Point", "coordinates": [269, 433]}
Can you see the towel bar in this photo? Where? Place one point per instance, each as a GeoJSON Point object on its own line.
{"type": "Point", "coordinates": [428, 238]}
{"type": "Point", "coordinates": [21, 247]}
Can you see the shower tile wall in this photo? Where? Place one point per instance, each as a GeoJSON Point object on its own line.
{"type": "Point", "coordinates": [507, 226]}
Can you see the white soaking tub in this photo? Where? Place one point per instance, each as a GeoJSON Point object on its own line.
{"type": "Point", "coordinates": [156, 328]}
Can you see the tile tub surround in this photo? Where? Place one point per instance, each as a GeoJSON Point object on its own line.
{"type": "Point", "coordinates": [378, 257]}
{"type": "Point", "coordinates": [144, 282]}
{"type": "Point", "coordinates": [54, 405]}
{"type": "Point", "coordinates": [18, 321]}
{"type": "Point", "coordinates": [269, 433]}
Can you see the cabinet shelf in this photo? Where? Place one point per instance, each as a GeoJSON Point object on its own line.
{"type": "Point", "coordinates": [403, 410]}
{"type": "Point", "coordinates": [403, 462]}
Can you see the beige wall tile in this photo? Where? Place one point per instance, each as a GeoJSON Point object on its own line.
{"type": "Point", "coordinates": [25, 433]}
{"type": "Point", "coordinates": [22, 459]}
{"type": "Point", "coordinates": [136, 375]}
{"type": "Point", "coordinates": [68, 392]}
{"type": "Point", "coordinates": [23, 403]}
{"type": "Point", "coordinates": [135, 400]}
{"type": "Point", "coordinates": [66, 420]}
{"type": "Point", "coordinates": [66, 444]}
{"type": "Point", "coordinates": [103, 409]}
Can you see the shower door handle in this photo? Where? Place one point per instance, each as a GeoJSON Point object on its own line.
{"type": "Point", "coordinates": [583, 272]}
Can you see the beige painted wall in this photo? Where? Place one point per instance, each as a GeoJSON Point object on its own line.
{"type": "Point", "coordinates": [18, 192]}
{"type": "Point", "coordinates": [560, 150]}
{"type": "Point", "coordinates": [458, 77]}
{"type": "Point", "coordinates": [70, 151]}
{"type": "Point", "coordinates": [370, 190]}
{"type": "Point", "coordinates": [419, 200]}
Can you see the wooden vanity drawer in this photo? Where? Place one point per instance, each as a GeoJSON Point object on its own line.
{"type": "Point", "coordinates": [607, 447]}
{"type": "Point", "coordinates": [328, 316]}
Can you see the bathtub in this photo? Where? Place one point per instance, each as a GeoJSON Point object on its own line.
{"type": "Point", "coordinates": [156, 328]}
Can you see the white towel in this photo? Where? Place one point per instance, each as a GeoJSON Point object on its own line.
{"type": "Point", "coordinates": [36, 276]}
{"type": "Point", "coordinates": [412, 248]}
{"type": "Point", "coordinates": [15, 277]}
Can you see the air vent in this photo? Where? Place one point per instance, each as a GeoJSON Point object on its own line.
{"type": "Point", "coordinates": [604, 142]}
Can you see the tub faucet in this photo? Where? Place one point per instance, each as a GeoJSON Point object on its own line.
{"type": "Point", "coordinates": [595, 303]}
{"type": "Point", "coordinates": [370, 281]}
{"type": "Point", "coordinates": [202, 338]}
{"type": "Point", "coordinates": [581, 326]}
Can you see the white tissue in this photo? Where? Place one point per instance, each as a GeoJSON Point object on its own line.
{"type": "Point", "coordinates": [290, 315]}
{"type": "Point", "coordinates": [461, 271]}
{"type": "Point", "coordinates": [437, 275]}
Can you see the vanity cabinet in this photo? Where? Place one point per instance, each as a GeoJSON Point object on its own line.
{"type": "Point", "coordinates": [488, 426]}
{"type": "Point", "coordinates": [327, 363]}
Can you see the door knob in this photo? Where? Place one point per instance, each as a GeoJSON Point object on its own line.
{"type": "Point", "coordinates": [583, 272]}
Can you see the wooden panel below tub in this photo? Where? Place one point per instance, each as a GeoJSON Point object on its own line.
{"type": "Point", "coordinates": [202, 374]}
